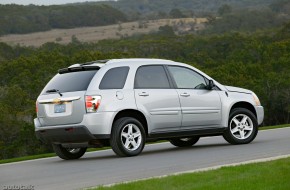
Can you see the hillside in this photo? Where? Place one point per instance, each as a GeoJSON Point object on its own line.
{"type": "Point", "coordinates": [94, 34]}
{"type": "Point", "coordinates": [18, 19]}
{"type": "Point", "coordinates": [199, 8]}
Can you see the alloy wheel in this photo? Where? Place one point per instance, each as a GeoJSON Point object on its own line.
{"type": "Point", "coordinates": [241, 126]}
{"type": "Point", "coordinates": [131, 137]}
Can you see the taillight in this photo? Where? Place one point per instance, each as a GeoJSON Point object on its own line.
{"type": "Point", "coordinates": [92, 103]}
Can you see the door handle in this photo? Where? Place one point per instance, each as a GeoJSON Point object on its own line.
{"type": "Point", "coordinates": [143, 94]}
{"type": "Point", "coordinates": [185, 94]}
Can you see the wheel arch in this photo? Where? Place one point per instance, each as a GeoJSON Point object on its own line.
{"type": "Point", "coordinates": [135, 114]}
{"type": "Point", "coordinates": [245, 105]}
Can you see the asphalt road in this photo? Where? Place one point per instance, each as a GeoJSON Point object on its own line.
{"type": "Point", "coordinates": [104, 167]}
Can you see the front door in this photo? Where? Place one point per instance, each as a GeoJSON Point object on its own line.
{"type": "Point", "coordinates": [201, 108]}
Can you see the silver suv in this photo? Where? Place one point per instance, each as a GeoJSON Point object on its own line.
{"type": "Point", "coordinates": [126, 102]}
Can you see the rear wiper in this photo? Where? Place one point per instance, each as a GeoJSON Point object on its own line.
{"type": "Point", "coordinates": [54, 90]}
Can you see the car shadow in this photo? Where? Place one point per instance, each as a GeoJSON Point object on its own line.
{"type": "Point", "coordinates": [109, 155]}
{"type": "Point", "coordinates": [178, 149]}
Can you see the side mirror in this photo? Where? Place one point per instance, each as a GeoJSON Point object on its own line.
{"type": "Point", "coordinates": [210, 85]}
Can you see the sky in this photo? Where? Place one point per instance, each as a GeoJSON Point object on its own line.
{"type": "Point", "coordinates": [42, 2]}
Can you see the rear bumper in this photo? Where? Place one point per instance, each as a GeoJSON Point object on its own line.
{"type": "Point", "coordinates": [75, 134]}
{"type": "Point", "coordinates": [94, 126]}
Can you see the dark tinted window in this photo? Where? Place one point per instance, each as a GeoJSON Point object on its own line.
{"type": "Point", "coordinates": [114, 78]}
{"type": "Point", "coordinates": [151, 77]}
{"type": "Point", "coordinates": [187, 78]}
{"type": "Point", "coordinates": [69, 82]}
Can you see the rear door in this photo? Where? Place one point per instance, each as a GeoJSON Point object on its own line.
{"type": "Point", "coordinates": [201, 108]}
{"type": "Point", "coordinates": [155, 97]}
{"type": "Point", "coordinates": [62, 100]}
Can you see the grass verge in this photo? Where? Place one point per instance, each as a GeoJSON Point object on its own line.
{"type": "Point", "coordinates": [33, 157]}
{"type": "Point", "coordinates": [274, 127]}
{"type": "Point", "coordinates": [24, 158]}
{"type": "Point", "coordinates": [258, 176]}
{"type": "Point", "coordinates": [97, 149]}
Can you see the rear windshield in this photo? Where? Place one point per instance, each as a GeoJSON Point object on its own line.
{"type": "Point", "coordinates": [69, 82]}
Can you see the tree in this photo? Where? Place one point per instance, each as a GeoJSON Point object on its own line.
{"type": "Point", "coordinates": [166, 30]}
{"type": "Point", "coordinates": [18, 19]}
{"type": "Point", "coordinates": [74, 39]}
{"type": "Point", "coordinates": [224, 9]}
{"type": "Point", "coordinates": [176, 13]}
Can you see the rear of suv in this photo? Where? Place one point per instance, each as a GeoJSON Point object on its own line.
{"type": "Point", "coordinates": [126, 102]}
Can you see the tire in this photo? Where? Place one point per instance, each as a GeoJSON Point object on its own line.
{"type": "Point", "coordinates": [127, 137]}
{"type": "Point", "coordinates": [68, 153]}
{"type": "Point", "coordinates": [242, 127]}
{"type": "Point", "coordinates": [184, 142]}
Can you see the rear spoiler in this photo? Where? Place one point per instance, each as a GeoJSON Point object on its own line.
{"type": "Point", "coordinates": [77, 69]}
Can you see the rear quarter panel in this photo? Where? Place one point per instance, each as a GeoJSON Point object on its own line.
{"type": "Point", "coordinates": [116, 100]}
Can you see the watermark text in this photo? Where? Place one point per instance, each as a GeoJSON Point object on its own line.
{"type": "Point", "coordinates": [18, 187]}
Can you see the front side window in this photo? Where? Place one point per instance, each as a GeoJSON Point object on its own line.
{"type": "Point", "coordinates": [151, 77]}
{"type": "Point", "coordinates": [114, 78]}
{"type": "Point", "coordinates": [186, 78]}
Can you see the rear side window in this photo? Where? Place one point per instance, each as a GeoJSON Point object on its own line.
{"type": "Point", "coordinates": [69, 82]}
{"type": "Point", "coordinates": [151, 77]}
{"type": "Point", "coordinates": [114, 78]}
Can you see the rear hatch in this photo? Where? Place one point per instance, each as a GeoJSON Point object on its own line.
{"type": "Point", "coordinates": [62, 101]}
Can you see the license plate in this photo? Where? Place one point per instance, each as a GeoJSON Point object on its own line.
{"type": "Point", "coordinates": [59, 108]}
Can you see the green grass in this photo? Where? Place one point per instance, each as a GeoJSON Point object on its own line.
{"type": "Point", "coordinates": [97, 149]}
{"type": "Point", "coordinates": [24, 158]}
{"type": "Point", "coordinates": [274, 127]}
{"type": "Point", "coordinates": [259, 176]}
{"type": "Point", "coordinates": [33, 157]}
